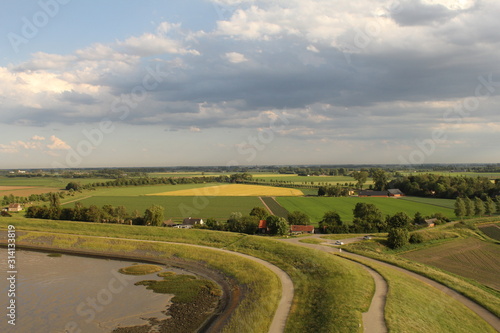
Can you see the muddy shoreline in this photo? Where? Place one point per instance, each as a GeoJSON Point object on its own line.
{"type": "Point", "coordinates": [184, 317]}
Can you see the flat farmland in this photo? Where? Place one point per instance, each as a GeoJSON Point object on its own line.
{"type": "Point", "coordinates": [232, 190]}
{"type": "Point", "coordinates": [180, 207]}
{"type": "Point", "coordinates": [295, 179]}
{"type": "Point", "coordinates": [316, 207]}
{"type": "Point", "coordinates": [447, 203]}
{"type": "Point", "coordinates": [471, 258]}
{"type": "Point", "coordinates": [54, 182]}
{"type": "Point", "coordinates": [25, 191]}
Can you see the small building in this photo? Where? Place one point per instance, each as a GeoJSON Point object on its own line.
{"type": "Point", "coordinates": [430, 223]}
{"type": "Point", "coordinates": [263, 227]}
{"type": "Point", "coordinates": [371, 193]}
{"type": "Point", "coordinates": [301, 229]}
{"type": "Point", "coordinates": [394, 192]}
{"type": "Point", "coordinates": [168, 223]}
{"type": "Point", "coordinates": [15, 207]}
{"type": "Point", "coordinates": [192, 222]}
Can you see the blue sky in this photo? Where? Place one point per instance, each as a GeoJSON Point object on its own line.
{"type": "Point", "coordinates": [246, 82]}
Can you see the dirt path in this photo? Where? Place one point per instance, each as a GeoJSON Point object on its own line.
{"type": "Point", "coordinates": [65, 203]}
{"type": "Point", "coordinates": [489, 317]}
{"type": "Point", "coordinates": [287, 288]}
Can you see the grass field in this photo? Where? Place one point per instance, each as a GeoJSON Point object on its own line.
{"type": "Point", "coordinates": [180, 207]}
{"type": "Point", "coordinates": [414, 306]}
{"type": "Point", "coordinates": [468, 257]}
{"type": "Point", "coordinates": [446, 203]}
{"type": "Point", "coordinates": [57, 182]}
{"type": "Point", "coordinates": [234, 190]}
{"type": "Point", "coordinates": [316, 207]}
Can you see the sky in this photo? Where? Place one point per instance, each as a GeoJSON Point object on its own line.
{"type": "Point", "coordinates": [248, 82]}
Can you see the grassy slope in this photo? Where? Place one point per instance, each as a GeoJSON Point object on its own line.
{"type": "Point", "coordinates": [487, 297]}
{"type": "Point", "coordinates": [315, 207]}
{"type": "Point", "coordinates": [413, 306]}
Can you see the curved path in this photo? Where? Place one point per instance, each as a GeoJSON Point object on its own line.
{"type": "Point", "coordinates": [287, 288]}
{"type": "Point", "coordinates": [373, 319]}
{"type": "Point", "coordinates": [489, 317]}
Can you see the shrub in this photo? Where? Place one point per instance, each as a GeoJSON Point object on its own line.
{"type": "Point", "coordinates": [416, 238]}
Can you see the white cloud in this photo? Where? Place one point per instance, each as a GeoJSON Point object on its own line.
{"type": "Point", "coordinates": [58, 144]}
{"type": "Point", "coordinates": [235, 57]}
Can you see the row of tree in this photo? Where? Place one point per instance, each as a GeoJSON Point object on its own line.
{"type": "Point", "coordinates": [154, 215]}
{"type": "Point", "coordinates": [476, 207]}
{"type": "Point", "coordinates": [431, 185]}
{"type": "Point", "coordinates": [44, 197]}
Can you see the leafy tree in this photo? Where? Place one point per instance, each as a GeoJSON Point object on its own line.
{"type": "Point", "coordinates": [277, 225]}
{"type": "Point", "coordinates": [75, 186]}
{"type": "Point", "coordinates": [321, 191]}
{"type": "Point", "coordinates": [416, 238]}
{"type": "Point", "coordinates": [154, 215]}
{"type": "Point", "coordinates": [260, 212]}
{"type": "Point", "coordinates": [460, 208]}
{"type": "Point", "coordinates": [398, 237]}
{"type": "Point", "coordinates": [380, 179]}
{"type": "Point", "coordinates": [469, 206]}
{"type": "Point", "coordinates": [418, 218]}
{"type": "Point", "coordinates": [249, 224]}
{"type": "Point", "coordinates": [399, 220]}
{"type": "Point", "coordinates": [92, 214]}
{"type": "Point", "coordinates": [489, 206]}
{"type": "Point", "coordinates": [332, 223]}
{"type": "Point", "coordinates": [478, 206]}
{"type": "Point", "coordinates": [360, 177]}
{"type": "Point", "coordinates": [298, 218]}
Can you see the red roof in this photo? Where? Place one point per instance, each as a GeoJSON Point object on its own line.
{"type": "Point", "coordinates": [302, 228]}
{"type": "Point", "coordinates": [262, 224]}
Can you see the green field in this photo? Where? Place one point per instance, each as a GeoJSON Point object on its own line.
{"type": "Point", "coordinates": [58, 182]}
{"type": "Point", "coordinates": [178, 208]}
{"type": "Point", "coordinates": [446, 203]}
{"type": "Point", "coordinates": [468, 257]}
{"type": "Point", "coordinates": [295, 179]}
{"type": "Point", "coordinates": [316, 207]}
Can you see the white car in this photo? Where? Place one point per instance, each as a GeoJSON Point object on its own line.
{"type": "Point", "coordinates": [339, 243]}
{"type": "Point", "coordinates": [367, 237]}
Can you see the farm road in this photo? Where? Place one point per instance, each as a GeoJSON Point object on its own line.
{"type": "Point", "coordinates": [287, 288]}
{"type": "Point", "coordinates": [373, 319]}
{"type": "Point", "coordinates": [489, 317]}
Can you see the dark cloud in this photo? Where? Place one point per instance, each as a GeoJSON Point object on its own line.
{"type": "Point", "coordinates": [414, 12]}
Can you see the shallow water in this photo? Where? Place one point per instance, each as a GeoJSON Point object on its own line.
{"type": "Point", "coordinates": [71, 293]}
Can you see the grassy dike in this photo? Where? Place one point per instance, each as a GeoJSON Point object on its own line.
{"type": "Point", "coordinates": [482, 295]}
{"type": "Point", "coordinates": [414, 306]}
{"type": "Point", "coordinates": [330, 292]}
{"type": "Point", "coordinates": [262, 287]}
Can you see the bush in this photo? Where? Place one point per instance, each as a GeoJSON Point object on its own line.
{"type": "Point", "coordinates": [416, 238]}
{"type": "Point", "coordinates": [398, 237]}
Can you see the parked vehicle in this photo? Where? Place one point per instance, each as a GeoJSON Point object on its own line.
{"type": "Point", "coordinates": [339, 243]}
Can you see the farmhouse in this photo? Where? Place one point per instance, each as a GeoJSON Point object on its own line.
{"type": "Point", "coordinates": [301, 229]}
{"type": "Point", "coordinates": [371, 193]}
{"type": "Point", "coordinates": [263, 227]}
{"type": "Point", "coordinates": [192, 222]}
{"type": "Point", "coordinates": [394, 192]}
{"type": "Point", "coordinates": [430, 223]}
{"type": "Point", "coordinates": [15, 207]}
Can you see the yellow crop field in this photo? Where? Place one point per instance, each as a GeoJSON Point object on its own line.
{"type": "Point", "coordinates": [235, 190]}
